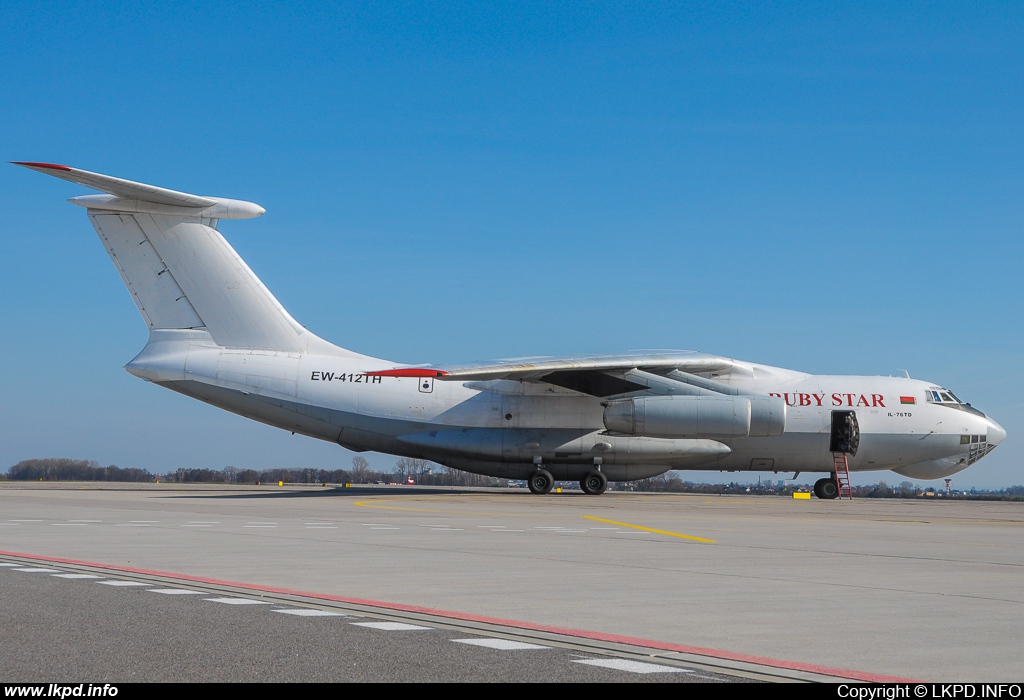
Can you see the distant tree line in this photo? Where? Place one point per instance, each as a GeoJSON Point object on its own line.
{"type": "Point", "coordinates": [233, 475]}
{"type": "Point", "coordinates": [670, 482]}
{"type": "Point", "coordinates": [60, 469]}
{"type": "Point", "coordinates": [431, 474]}
{"type": "Point", "coordinates": [420, 471]}
{"type": "Point", "coordinates": [428, 473]}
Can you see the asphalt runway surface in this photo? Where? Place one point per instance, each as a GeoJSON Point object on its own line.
{"type": "Point", "coordinates": [623, 587]}
{"type": "Point", "coordinates": [103, 629]}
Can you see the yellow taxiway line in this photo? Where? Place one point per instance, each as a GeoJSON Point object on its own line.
{"type": "Point", "coordinates": [379, 504]}
{"type": "Point", "coordinates": [650, 529]}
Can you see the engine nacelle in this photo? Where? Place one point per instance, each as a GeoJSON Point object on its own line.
{"type": "Point", "coordinates": [697, 416]}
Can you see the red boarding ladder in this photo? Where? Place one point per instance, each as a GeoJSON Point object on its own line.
{"type": "Point", "coordinates": [841, 466]}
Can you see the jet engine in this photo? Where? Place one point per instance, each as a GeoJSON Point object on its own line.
{"type": "Point", "coordinates": [697, 416]}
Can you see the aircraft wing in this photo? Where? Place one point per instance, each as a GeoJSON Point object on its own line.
{"type": "Point", "coordinates": [533, 369]}
{"type": "Point", "coordinates": [598, 375]}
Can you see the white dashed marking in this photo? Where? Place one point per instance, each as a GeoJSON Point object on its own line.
{"type": "Point", "coordinates": [390, 626]}
{"type": "Point", "coordinates": [23, 520]}
{"type": "Point", "coordinates": [76, 576]}
{"type": "Point", "coordinates": [631, 666]}
{"type": "Point", "coordinates": [306, 612]}
{"type": "Point", "coordinates": [503, 644]}
{"type": "Point", "coordinates": [7, 564]}
{"type": "Point", "coordinates": [238, 601]}
{"type": "Point", "coordinates": [124, 583]}
{"type": "Point", "coordinates": [38, 571]}
{"type": "Point", "coordinates": [175, 591]}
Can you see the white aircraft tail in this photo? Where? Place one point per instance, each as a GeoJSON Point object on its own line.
{"type": "Point", "coordinates": [178, 268]}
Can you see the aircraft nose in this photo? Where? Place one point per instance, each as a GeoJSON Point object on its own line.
{"type": "Point", "coordinates": [996, 434]}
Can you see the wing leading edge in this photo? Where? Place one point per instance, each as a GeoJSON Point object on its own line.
{"type": "Point", "coordinates": [599, 375]}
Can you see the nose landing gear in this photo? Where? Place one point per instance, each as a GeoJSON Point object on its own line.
{"type": "Point", "coordinates": [826, 488]}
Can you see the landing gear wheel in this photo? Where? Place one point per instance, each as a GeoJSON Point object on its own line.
{"type": "Point", "coordinates": [594, 483]}
{"type": "Point", "coordinates": [541, 481]}
{"type": "Point", "coordinates": [826, 488]}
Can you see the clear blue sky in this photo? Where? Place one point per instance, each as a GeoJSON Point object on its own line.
{"type": "Point", "coordinates": [831, 188]}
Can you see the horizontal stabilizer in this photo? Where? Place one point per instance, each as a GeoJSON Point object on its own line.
{"type": "Point", "coordinates": [133, 196]}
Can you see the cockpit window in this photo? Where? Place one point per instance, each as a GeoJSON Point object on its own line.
{"type": "Point", "coordinates": [945, 397]}
{"type": "Point", "coordinates": [939, 395]}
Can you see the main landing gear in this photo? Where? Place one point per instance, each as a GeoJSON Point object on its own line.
{"type": "Point", "coordinates": [594, 483]}
{"type": "Point", "coordinates": [826, 488]}
{"type": "Point", "coordinates": [541, 481]}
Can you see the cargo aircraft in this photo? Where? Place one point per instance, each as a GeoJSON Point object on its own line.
{"type": "Point", "coordinates": [217, 334]}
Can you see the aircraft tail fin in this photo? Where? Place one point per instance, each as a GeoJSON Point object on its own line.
{"type": "Point", "coordinates": [180, 271]}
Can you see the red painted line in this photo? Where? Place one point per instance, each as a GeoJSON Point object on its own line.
{"type": "Point", "coordinates": [466, 617]}
{"type": "Point", "coordinates": [408, 373]}
{"type": "Point", "coordinates": [28, 164]}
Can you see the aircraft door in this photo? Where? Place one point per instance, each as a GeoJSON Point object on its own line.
{"type": "Point", "coordinates": [845, 433]}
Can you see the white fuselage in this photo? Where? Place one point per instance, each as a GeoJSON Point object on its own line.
{"type": "Point", "coordinates": [505, 427]}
